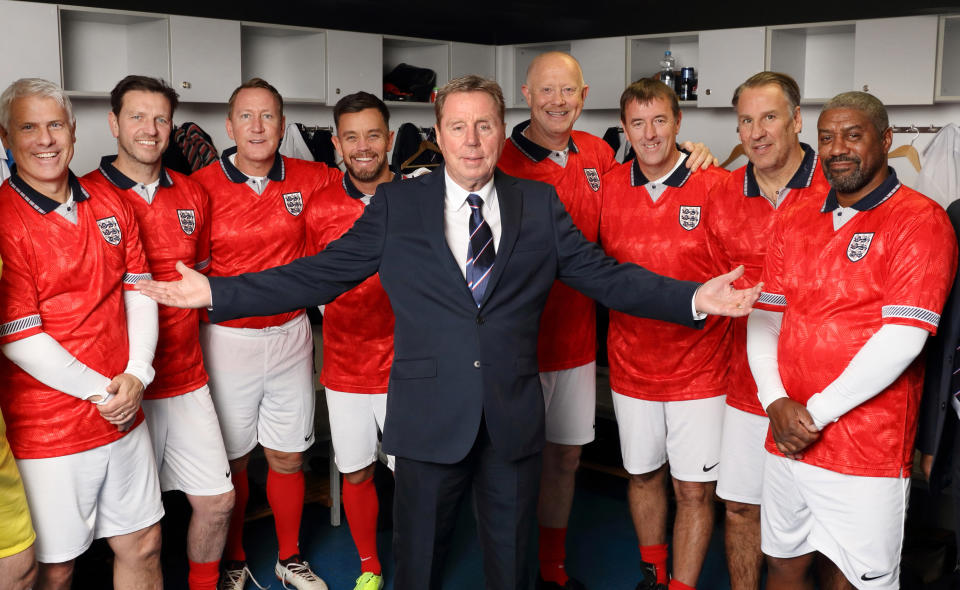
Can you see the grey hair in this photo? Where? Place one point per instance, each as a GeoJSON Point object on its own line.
{"type": "Point", "coordinates": [867, 104]}
{"type": "Point", "coordinates": [25, 87]}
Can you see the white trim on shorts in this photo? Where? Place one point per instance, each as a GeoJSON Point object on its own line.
{"type": "Point", "coordinates": [262, 385]}
{"type": "Point", "coordinates": [107, 491]}
{"type": "Point", "coordinates": [570, 403]}
{"type": "Point", "coordinates": [187, 444]}
{"type": "Point", "coordinates": [687, 433]}
{"type": "Point", "coordinates": [355, 421]}
{"type": "Point", "coordinates": [855, 521]}
{"type": "Point", "coordinates": [742, 456]}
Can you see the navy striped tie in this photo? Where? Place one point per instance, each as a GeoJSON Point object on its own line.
{"type": "Point", "coordinates": [480, 252]}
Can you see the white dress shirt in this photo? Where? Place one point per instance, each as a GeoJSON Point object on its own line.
{"type": "Point", "coordinates": [456, 218]}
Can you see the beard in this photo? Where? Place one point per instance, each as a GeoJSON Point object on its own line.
{"type": "Point", "coordinates": [851, 181]}
{"type": "Point", "coordinates": [364, 174]}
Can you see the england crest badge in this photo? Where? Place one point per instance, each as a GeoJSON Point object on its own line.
{"type": "Point", "coordinates": [593, 178]}
{"type": "Point", "coordinates": [188, 220]}
{"type": "Point", "coordinates": [689, 217]}
{"type": "Point", "coordinates": [110, 230]}
{"type": "Point", "coordinates": [293, 202]}
{"type": "Point", "coordinates": [858, 246]}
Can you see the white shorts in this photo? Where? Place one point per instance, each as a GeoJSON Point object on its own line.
{"type": "Point", "coordinates": [856, 522]}
{"type": "Point", "coordinates": [687, 433]}
{"type": "Point", "coordinates": [187, 444]}
{"type": "Point", "coordinates": [261, 382]}
{"type": "Point", "coordinates": [355, 421]}
{"type": "Point", "coordinates": [103, 492]}
{"type": "Point", "coordinates": [570, 401]}
{"type": "Point", "coordinates": [742, 455]}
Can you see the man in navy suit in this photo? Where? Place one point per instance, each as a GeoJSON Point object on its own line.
{"type": "Point", "coordinates": [467, 256]}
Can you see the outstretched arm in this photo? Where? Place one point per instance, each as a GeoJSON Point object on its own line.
{"type": "Point", "coordinates": [719, 297]}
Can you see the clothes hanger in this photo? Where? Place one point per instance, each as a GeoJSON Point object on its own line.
{"type": "Point", "coordinates": [908, 151]}
{"type": "Point", "coordinates": [734, 154]}
{"type": "Point", "coordinates": [424, 147]}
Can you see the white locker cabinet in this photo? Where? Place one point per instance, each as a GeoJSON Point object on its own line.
{"type": "Point", "coordinates": [354, 63]}
{"type": "Point", "coordinates": [948, 60]}
{"type": "Point", "coordinates": [727, 58]}
{"type": "Point", "coordinates": [895, 59]}
{"type": "Point", "coordinates": [604, 65]}
{"type": "Point", "coordinates": [29, 42]}
{"type": "Point", "coordinates": [471, 58]}
{"type": "Point", "coordinates": [293, 59]}
{"type": "Point", "coordinates": [204, 58]}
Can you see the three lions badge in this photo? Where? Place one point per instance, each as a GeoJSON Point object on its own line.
{"type": "Point", "coordinates": [110, 230]}
{"type": "Point", "coordinates": [593, 178]}
{"type": "Point", "coordinates": [689, 217]}
{"type": "Point", "coordinates": [293, 202]}
{"type": "Point", "coordinates": [188, 220]}
{"type": "Point", "coordinates": [858, 246]}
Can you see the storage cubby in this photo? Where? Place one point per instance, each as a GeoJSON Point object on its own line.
{"type": "Point", "coordinates": [292, 59]}
{"type": "Point", "coordinates": [819, 57]}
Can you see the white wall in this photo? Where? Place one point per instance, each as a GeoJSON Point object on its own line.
{"type": "Point", "coordinates": [715, 127]}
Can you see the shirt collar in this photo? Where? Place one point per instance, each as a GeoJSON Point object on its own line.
{"type": "Point", "coordinates": [801, 178]}
{"type": "Point", "coordinates": [121, 180]}
{"type": "Point", "coordinates": [534, 151]}
{"type": "Point", "coordinates": [234, 174]}
{"type": "Point", "coordinates": [456, 196]}
{"type": "Point", "coordinates": [676, 178]}
{"type": "Point", "coordinates": [41, 203]}
{"type": "Point", "coordinates": [869, 201]}
{"type": "Point", "coordinates": [354, 193]}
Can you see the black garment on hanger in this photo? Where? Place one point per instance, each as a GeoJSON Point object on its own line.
{"type": "Point", "coordinates": [320, 145]}
{"type": "Point", "coordinates": [405, 144]}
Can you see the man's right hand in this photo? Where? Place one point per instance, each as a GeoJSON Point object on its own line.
{"type": "Point", "coordinates": [792, 426]}
{"type": "Point", "coordinates": [192, 291]}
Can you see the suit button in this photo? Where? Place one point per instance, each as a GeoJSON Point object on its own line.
{"type": "Point", "coordinates": [480, 320]}
{"type": "Point", "coordinates": [476, 364]}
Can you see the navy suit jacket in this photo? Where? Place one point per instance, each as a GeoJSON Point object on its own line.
{"type": "Point", "coordinates": [938, 421]}
{"type": "Point", "coordinates": [454, 362]}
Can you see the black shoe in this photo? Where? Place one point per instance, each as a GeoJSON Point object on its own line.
{"type": "Point", "coordinates": [649, 581]}
{"type": "Point", "coordinates": [572, 584]}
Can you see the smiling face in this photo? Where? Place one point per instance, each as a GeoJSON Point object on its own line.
{"type": "Point", "coordinates": [363, 141]}
{"type": "Point", "coordinates": [256, 125]}
{"type": "Point", "coordinates": [470, 134]}
{"type": "Point", "coordinates": [41, 138]}
{"type": "Point", "coordinates": [853, 153]}
{"type": "Point", "coordinates": [555, 92]}
{"type": "Point", "coordinates": [767, 127]}
{"type": "Point", "coordinates": [142, 128]}
{"type": "Point", "coordinates": [652, 128]}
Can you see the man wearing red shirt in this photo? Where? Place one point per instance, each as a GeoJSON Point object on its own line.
{"type": "Point", "coordinates": [78, 342]}
{"type": "Point", "coordinates": [781, 170]}
{"type": "Point", "coordinates": [261, 368]}
{"type": "Point", "coordinates": [668, 381]}
{"type": "Point", "coordinates": [174, 218]}
{"type": "Point", "coordinates": [854, 283]}
{"type": "Point", "coordinates": [358, 326]}
{"type": "Point", "coordinates": [546, 148]}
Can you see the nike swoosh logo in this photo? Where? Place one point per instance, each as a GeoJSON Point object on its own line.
{"type": "Point", "coordinates": [867, 579]}
{"type": "Point", "coordinates": [228, 474]}
{"type": "Point", "coordinates": [706, 469]}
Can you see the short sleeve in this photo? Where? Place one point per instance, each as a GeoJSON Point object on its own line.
{"type": "Point", "coordinates": [202, 263]}
{"type": "Point", "coordinates": [135, 258]}
{"type": "Point", "coordinates": [19, 298]}
{"type": "Point", "coordinates": [773, 297]}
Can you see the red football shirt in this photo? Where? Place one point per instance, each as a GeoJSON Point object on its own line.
{"type": "Point", "coordinates": [568, 331]}
{"type": "Point", "coordinates": [358, 325]}
{"type": "Point", "coordinates": [66, 280]}
{"type": "Point", "coordinates": [892, 263]}
{"type": "Point", "coordinates": [175, 226]}
{"type": "Point", "coordinates": [651, 359]}
{"type": "Point", "coordinates": [251, 232]}
{"type": "Point", "coordinates": [737, 233]}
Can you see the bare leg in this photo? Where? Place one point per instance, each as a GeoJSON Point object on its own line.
{"type": "Point", "coordinates": [647, 494]}
{"type": "Point", "coordinates": [829, 575]}
{"type": "Point", "coordinates": [137, 559]}
{"type": "Point", "coordinates": [742, 540]}
{"type": "Point", "coordinates": [54, 576]}
{"type": "Point", "coordinates": [207, 532]}
{"type": "Point", "coordinates": [692, 528]}
{"type": "Point", "coordinates": [557, 481]}
{"type": "Point", "coordinates": [793, 573]}
{"type": "Point", "coordinates": [18, 571]}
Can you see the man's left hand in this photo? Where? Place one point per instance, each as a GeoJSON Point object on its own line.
{"type": "Point", "coordinates": [719, 297]}
{"type": "Point", "coordinates": [121, 410]}
{"type": "Point", "coordinates": [700, 156]}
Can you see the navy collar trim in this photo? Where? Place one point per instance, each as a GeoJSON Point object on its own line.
{"type": "Point", "coordinates": [869, 201]}
{"type": "Point", "coordinates": [676, 180]}
{"type": "Point", "coordinates": [121, 180]}
{"type": "Point", "coordinates": [277, 171]}
{"type": "Point", "coordinates": [801, 178]}
{"type": "Point", "coordinates": [42, 203]}
{"type": "Point", "coordinates": [534, 151]}
{"type": "Point", "coordinates": [354, 193]}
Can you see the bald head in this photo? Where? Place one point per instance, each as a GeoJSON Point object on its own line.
{"type": "Point", "coordinates": [554, 60]}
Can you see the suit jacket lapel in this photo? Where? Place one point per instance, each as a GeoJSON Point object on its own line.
{"type": "Point", "coordinates": [432, 205]}
{"type": "Point", "coordinates": [511, 207]}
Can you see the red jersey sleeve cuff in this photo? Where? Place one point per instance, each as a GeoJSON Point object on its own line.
{"type": "Point", "coordinates": [907, 315]}
{"type": "Point", "coordinates": [20, 328]}
{"type": "Point", "coordinates": [771, 302]}
{"type": "Point", "coordinates": [132, 278]}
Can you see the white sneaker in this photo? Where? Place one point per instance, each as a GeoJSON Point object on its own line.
{"type": "Point", "coordinates": [299, 574]}
{"type": "Point", "coordinates": [236, 578]}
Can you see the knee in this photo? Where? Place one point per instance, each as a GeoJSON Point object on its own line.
{"type": "Point", "coordinates": [693, 493]}
{"type": "Point", "coordinates": [650, 479]}
{"type": "Point", "coordinates": [561, 459]}
{"type": "Point", "coordinates": [213, 507]}
{"type": "Point", "coordinates": [360, 476]}
{"type": "Point", "coordinates": [54, 575]}
{"type": "Point", "coordinates": [283, 462]}
{"type": "Point", "coordinates": [25, 577]}
{"type": "Point", "coordinates": [788, 568]}
{"type": "Point", "coordinates": [739, 511]}
{"type": "Point", "coordinates": [149, 543]}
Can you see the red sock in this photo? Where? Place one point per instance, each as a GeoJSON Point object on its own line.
{"type": "Point", "coordinates": [361, 505]}
{"type": "Point", "coordinates": [657, 555]}
{"type": "Point", "coordinates": [204, 576]}
{"type": "Point", "coordinates": [285, 496]}
{"type": "Point", "coordinates": [553, 551]}
{"type": "Point", "coordinates": [234, 547]}
{"type": "Point", "coordinates": [675, 585]}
